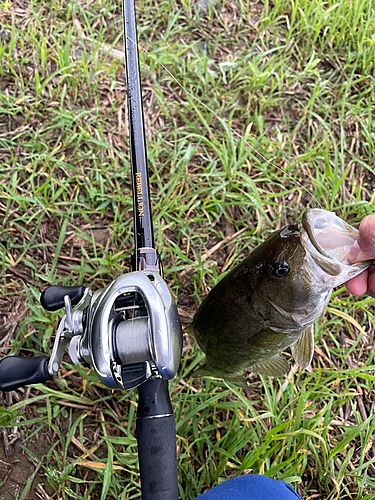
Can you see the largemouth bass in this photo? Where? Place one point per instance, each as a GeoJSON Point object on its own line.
{"type": "Point", "coordinates": [271, 300]}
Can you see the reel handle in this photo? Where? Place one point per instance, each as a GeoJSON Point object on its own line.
{"type": "Point", "coordinates": [52, 298]}
{"type": "Point", "coordinates": [16, 372]}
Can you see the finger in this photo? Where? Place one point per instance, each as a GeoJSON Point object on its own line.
{"type": "Point", "coordinates": [371, 281]}
{"type": "Point", "coordinates": [354, 253]}
{"type": "Point", "coordinates": [358, 285]}
{"type": "Point", "coordinates": [364, 248]}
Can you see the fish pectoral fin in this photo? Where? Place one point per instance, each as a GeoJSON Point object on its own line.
{"type": "Point", "coordinates": [236, 380]}
{"type": "Point", "coordinates": [277, 366]}
{"type": "Point", "coordinates": [205, 371]}
{"type": "Point", "coordinates": [303, 348]}
{"type": "Point", "coordinates": [202, 372]}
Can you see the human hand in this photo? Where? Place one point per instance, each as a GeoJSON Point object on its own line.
{"type": "Point", "coordinates": [364, 249]}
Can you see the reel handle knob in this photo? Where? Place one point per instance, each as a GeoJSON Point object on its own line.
{"type": "Point", "coordinates": [52, 298]}
{"type": "Point", "coordinates": [16, 372]}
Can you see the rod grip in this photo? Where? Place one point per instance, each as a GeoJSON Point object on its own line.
{"type": "Point", "coordinates": [16, 372]}
{"type": "Point", "coordinates": [156, 436]}
{"type": "Point", "coordinates": [157, 457]}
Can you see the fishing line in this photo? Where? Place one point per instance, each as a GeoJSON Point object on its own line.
{"type": "Point", "coordinates": [225, 122]}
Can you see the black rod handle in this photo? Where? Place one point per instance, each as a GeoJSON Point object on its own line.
{"type": "Point", "coordinates": [156, 436]}
{"type": "Point", "coordinates": [16, 372]}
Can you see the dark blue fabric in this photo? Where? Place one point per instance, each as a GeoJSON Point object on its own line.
{"type": "Point", "coordinates": [251, 487]}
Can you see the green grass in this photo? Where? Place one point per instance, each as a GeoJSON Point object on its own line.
{"type": "Point", "coordinates": [293, 78]}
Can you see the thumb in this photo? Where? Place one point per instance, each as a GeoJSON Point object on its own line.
{"type": "Point", "coordinates": [364, 248]}
{"type": "Point", "coordinates": [356, 254]}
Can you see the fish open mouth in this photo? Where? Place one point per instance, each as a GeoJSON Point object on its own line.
{"type": "Point", "coordinates": [327, 240]}
{"type": "Point", "coordinates": [331, 236]}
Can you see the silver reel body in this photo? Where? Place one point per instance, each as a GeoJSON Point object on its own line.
{"type": "Point", "coordinates": [127, 332]}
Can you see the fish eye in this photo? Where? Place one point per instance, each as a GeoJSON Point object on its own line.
{"type": "Point", "coordinates": [280, 269]}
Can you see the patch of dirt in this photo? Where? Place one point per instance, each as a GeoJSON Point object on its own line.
{"type": "Point", "coordinates": [17, 469]}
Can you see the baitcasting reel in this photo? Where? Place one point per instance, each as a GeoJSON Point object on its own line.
{"type": "Point", "coordinates": [127, 332]}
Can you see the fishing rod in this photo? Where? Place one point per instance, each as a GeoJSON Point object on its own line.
{"type": "Point", "coordinates": [129, 332]}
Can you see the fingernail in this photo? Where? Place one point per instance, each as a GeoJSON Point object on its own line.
{"type": "Point", "coordinates": [353, 252]}
{"type": "Point", "coordinates": [356, 255]}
